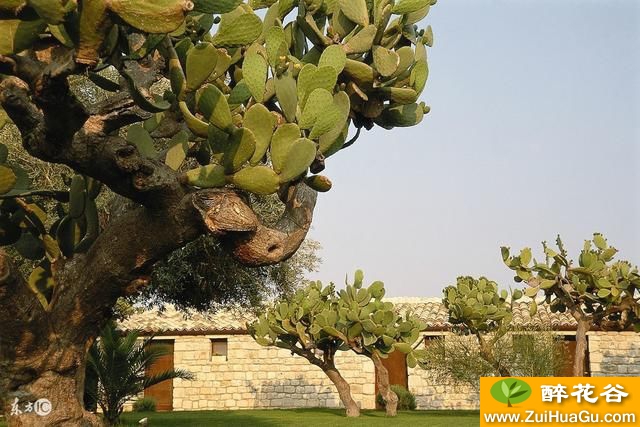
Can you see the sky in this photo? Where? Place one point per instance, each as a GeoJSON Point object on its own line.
{"type": "Point", "coordinates": [534, 131]}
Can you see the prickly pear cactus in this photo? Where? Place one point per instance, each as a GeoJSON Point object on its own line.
{"type": "Point", "coordinates": [598, 289]}
{"type": "Point", "coordinates": [476, 306]}
{"type": "Point", "coordinates": [39, 235]}
{"type": "Point", "coordinates": [279, 92]}
{"type": "Point", "coordinates": [256, 101]}
{"type": "Point", "coordinates": [354, 319]}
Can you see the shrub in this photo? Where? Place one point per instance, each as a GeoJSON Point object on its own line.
{"type": "Point", "coordinates": [406, 399]}
{"type": "Point", "coordinates": [146, 404]}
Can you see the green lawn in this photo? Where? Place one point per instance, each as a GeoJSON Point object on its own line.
{"type": "Point", "coordinates": [300, 417]}
{"type": "Point", "coordinates": [304, 417]}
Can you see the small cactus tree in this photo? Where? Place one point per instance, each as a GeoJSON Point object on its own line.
{"type": "Point", "coordinates": [318, 322]}
{"type": "Point", "coordinates": [476, 307]}
{"type": "Point", "coordinates": [193, 120]}
{"type": "Point", "coordinates": [597, 292]}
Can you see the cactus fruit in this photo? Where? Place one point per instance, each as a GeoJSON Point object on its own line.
{"type": "Point", "coordinates": [319, 183]}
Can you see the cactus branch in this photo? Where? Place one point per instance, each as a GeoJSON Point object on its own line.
{"type": "Point", "coordinates": [251, 242]}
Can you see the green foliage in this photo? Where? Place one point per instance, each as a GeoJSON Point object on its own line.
{"type": "Point", "coordinates": [351, 49]}
{"type": "Point", "coordinates": [145, 404]}
{"type": "Point", "coordinates": [356, 318]}
{"type": "Point", "coordinates": [119, 363]}
{"type": "Point", "coordinates": [476, 305]}
{"type": "Point", "coordinates": [598, 288]}
{"type": "Point", "coordinates": [458, 359]}
{"type": "Point", "coordinates": [259, 102]}
{"type": "Point", "coordinates": [202, 276]}
{"type": "Point", "coordinates": [406, 399]}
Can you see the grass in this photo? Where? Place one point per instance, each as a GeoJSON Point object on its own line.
{"type": "Point", "coordinates": [302, 417]}
{"type": "Point", "coordinates": [299, 417]}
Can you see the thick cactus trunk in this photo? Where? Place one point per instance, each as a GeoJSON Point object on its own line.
{"type": "Point", "coordinates": [579, 363]}
{"type": "Point", "coordinates": [344, 390]}
{"type": "Point", "coordinates": [389, 396]}
{"type": "Point", "coordinates": [47, 388]}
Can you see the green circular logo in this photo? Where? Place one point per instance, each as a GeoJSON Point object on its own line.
{"type": "Point", "coordinates": [510, 391]}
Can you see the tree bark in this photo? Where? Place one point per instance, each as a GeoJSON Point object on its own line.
{"type": "Point", "coordinates": [389, 396]}
{"type": "Point", "coordinates": [55, 375]}
{"type": "Point", "coordinates": [344, 391]}
{"type": "Point", "coordinates": [579, 363]}
{"type": "Point", "coordinates": [43, 345]}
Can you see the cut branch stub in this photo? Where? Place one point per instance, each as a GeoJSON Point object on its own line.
{"type": "Point", "coordinates": [225, 211]}
{"type": "Point", "coordinates": [270, 245]}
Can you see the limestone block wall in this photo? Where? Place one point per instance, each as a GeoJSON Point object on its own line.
{"type": "Point", "coordinates": [614, 354]}
{"type": "Point", "coordinates": [433, 395]}
{"type": "Point", "coordinates": [252, 376]}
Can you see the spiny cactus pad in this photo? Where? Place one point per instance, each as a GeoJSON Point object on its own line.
{"type": "Point", "coordinates": [277, 90]}
{"type": "Point", "coordinates": [354, 318]}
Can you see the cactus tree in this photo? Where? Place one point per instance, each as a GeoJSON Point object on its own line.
{"type": "Point", "coordinates": [206, 104]}
{"type": "Point", "coordinates": [476, 307]}
{"type": "Point", "coordinates": [597, 292]}
{"type": "Point", "coordinates": [318, 322]}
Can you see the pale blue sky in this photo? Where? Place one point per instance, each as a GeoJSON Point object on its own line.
{"type": "Point", "coordinates": [534, 131]}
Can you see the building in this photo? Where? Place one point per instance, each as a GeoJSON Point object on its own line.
{"type": "Point", "coordinates": [234, 372]}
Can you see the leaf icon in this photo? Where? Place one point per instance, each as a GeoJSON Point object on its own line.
{"type": "Point", "coordinates": [505, 389]}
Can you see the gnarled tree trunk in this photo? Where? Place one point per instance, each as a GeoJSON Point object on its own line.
{"type": "Point", "coordinates": [389, 396]}
{"type": "Point", "coordinates": [328, 366]}
{"type": "Point", "coordinates": [344, 391]}
{"type": "Point", "coordinates": [43, 343]}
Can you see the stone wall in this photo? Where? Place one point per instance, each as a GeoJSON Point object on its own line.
{"type": "Point", "coordinates": [252, 376]}
{"type": "Point", "coordinates": [614, 354]}
{"type": "Point", "coordinates": [432, 395]}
